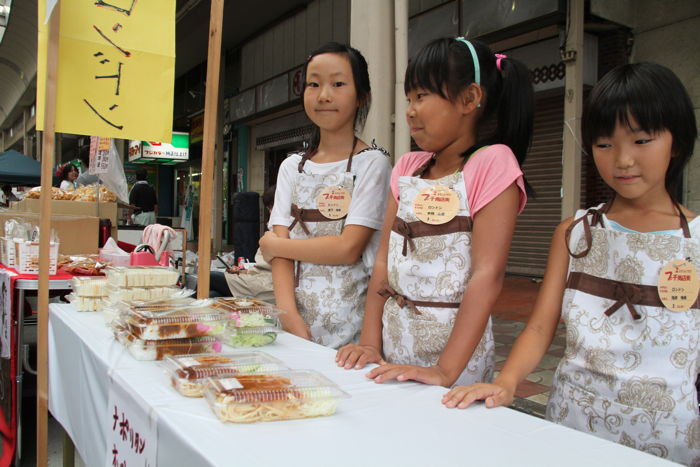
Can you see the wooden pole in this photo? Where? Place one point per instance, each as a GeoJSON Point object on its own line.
{"type": "Point", "coordinates": [211, 100]}
{"type": "Point", "coordinates": [47, 162]}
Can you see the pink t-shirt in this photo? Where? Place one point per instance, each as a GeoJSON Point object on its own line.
{"type": "Point", "coordinates": [487, 174]}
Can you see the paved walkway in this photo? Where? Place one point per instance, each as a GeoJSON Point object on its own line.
{"type": "Point", "coordinates": [511, 312]}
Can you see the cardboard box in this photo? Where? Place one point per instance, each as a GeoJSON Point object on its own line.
{"type": "Point", "coordinates": [76, 234]}
{"type": "Point", "coordinates": [70, 208]}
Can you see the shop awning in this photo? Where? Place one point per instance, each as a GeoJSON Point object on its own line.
{"type": "Point", "coordinates": [18, 169]}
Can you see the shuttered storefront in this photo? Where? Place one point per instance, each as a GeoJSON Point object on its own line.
{"type": "Point", "coordinates": [543, 169]}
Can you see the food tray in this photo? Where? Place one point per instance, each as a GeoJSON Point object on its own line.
{"type": "Point", "coordinates": [249, 312]}
{"type": "Point", "coordinates": [248, 337]}
{"type": "Point", "coordinates": [188, 373]}
{"type": "Point", "coordinates": [85, 303]}
{"type": "Point", "coordinates": [157, 308]}
{"type": "Point", "coordinates": [282, 395]}
{"type": "Point", "coordinates": [89, 286]}
{"type": "Point", "coordinates": [141, 294]}
{"type": "Point", "coordinates": [191, 322]}
{"type": "Point", "coordinates": [159, 349]}
{"type": "Point", "coordinates": [140, 276]}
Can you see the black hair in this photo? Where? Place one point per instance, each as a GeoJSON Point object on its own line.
{"type": "Point", "coordinates": [141, 174]}
{"type": "Point", "coordinates": [655, 98]}
{"type": "Point", "coordinates": [268, 197]}
{"type": "Point", "coordinates": [65, 169]}
{"type": "Point", "coordinates": [446, 67]}
{"type": "Point", "coordinates": [360, 75]}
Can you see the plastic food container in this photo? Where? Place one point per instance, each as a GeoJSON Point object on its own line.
{"type": "Point", "coordinates": [142, 294]}
{"type": "Point", "coordinates": [249, 312]}
{"type": "Point", "coordinates": [248, 337]}
{"type": "Point", "coordinates": [154, 308]}
{"type": "Point", "coordinates": [282, 395]}
{"type": "Point", "coordinates": [89, 286]}
{"type": "Point", "coordinates": [136, 276]}
{"type": "Point", "coordinates": [190, 322]}
{"type": "Point", "coordinates": [85, 303]}
{"type": "Point", "coordinates": [189, 373]}
{"type": "Point", "coordinates": [159, 349]}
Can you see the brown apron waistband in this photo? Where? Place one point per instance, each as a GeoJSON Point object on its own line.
{"type": "Point", "coordinates": [401, 300]}
{"type": "Point", "coordinates": [302, 216]}
{"type": "Point", "coordinates": [411, 230]}
{"type": "Point", "coordinates": [624, 293]}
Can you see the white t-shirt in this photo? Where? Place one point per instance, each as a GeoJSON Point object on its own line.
{"type": "Point", "coordinates": [372, 171]}
{"type": "Point", "coordinates": [67, 186]}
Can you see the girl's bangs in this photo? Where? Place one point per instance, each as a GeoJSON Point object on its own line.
{"type": "Point", "coordinates": [427, 71]}
{"type": "Point", "coordinates": [627, 103]}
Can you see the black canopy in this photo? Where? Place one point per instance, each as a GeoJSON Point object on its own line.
{"type": "Point", "coordinates": [18, 169]}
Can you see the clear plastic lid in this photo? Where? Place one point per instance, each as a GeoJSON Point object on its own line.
{"type": "Point", "coordinates": [281, 395]}
{"type": "Point", "coordinates": [85, 303]}
{"type": "Point", "coordinates": [249, 312]}
{"type": "Point", "coordinates": [155, 308]}
{"type": "Point", "coordinates": [142, 276]}
{"type": "Point", "coordinates": [186, 323]}
{"type": "Point", "coordinates": [89, 286]}
{"type": "Point", "coordinates": [142, 349]}
{"type": "Point", "coordinates": [141, 294]}
{"type": "Point", "coordinates": [199, 367]}
{"type": "Point", "coordinates": [248, 337]}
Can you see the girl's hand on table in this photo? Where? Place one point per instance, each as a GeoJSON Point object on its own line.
{"type": "Point", "coordinates": [428, 375]}
{"type": "Point", "coordinates": [494, 395]}
{"type": "Point", "coordinates": [357, 356]}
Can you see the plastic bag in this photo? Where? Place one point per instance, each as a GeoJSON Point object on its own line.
{"type": "Point", "coordinates": [114, 177]}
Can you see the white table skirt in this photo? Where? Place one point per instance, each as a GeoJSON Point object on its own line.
{"type": "Point", "coordinates": [382, 424]}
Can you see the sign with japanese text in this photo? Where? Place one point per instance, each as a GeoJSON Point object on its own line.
{"type": "Point", "coordinates": [116, 68]}
{"type": "Point", "coordinates": [178, 150]}
{"type": "Point", "coordinates": [679, 285]}
{"type": "Point", "coordinates": [99, 154]}
{"type": "Point", "coordinates": [132, 430]}
{"type": "Point", "coordinates": [436, 205]}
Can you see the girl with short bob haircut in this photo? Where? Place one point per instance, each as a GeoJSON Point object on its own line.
{"type": "Point", "coordinates": [450, 219]}
{"type": "Point", "coordinates": [328, 205]}
{"type": "Point", "coordinates": [632, 347]}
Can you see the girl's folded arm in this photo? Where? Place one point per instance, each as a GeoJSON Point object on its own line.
{"type": "Point", "coordinates": [346, 248]}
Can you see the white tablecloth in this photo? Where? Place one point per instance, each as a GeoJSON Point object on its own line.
{"type": "Point", "coordinates": [382, 424]}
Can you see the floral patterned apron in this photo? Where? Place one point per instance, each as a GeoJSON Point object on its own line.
{"type": "Point", "coordinates": [629, 371]}
{"type": "Point", "coordinates": [330, 298]}
{"type": "Point", "coordinates": [428, 269]}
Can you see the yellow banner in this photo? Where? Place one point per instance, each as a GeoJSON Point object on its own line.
{"type": "Point", "coordinates": [116, 68]}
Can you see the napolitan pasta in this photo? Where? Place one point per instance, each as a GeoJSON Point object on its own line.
{"type": "Point", "coordinates": [188, 374]}
{"type": "Point", "coordinates": [281, 396]}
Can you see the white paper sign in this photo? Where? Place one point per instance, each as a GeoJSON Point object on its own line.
{"type": "Point", "coordinates": [132, 430]}
{"type": "Point", "coordinates": [6, 303]}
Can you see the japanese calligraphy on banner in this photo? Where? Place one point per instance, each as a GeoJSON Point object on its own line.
{"type": "Point", "coordinates": [132, 429]}
{"type": "Point", "coordinates": [116, 68]}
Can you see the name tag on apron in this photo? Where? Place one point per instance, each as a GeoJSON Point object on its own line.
{"type": "Point", "coordinates": [678, 285]}
{"type": "Point", "coordinates": [436, 205]}
{"type": "Point", "coordinates": [334, 202]}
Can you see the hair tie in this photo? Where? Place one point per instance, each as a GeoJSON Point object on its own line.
{"type": "Point", "coordinates": [475, 58]}
{"type": "Point", "coordinates": [500, 57]}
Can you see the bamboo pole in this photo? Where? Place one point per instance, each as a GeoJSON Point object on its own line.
{"type": "Point", "coordinates": [211, 100]}
{"type": "Point", "coordinates": [47, 162]}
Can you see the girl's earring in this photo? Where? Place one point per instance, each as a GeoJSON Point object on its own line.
{"type": "Point", "coordinates": [478, 106]}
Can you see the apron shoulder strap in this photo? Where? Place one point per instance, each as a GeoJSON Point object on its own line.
{"type": "Point", "coordinates": [596, 218]}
